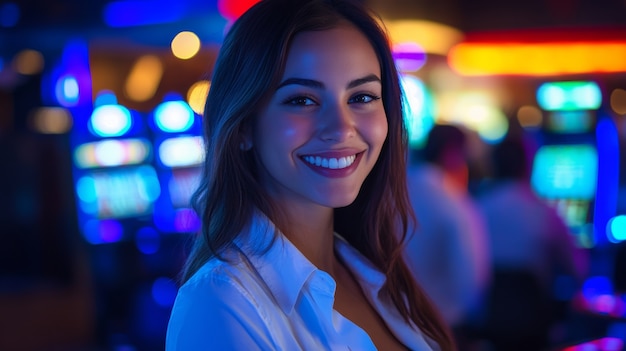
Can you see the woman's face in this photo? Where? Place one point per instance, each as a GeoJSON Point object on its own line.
{"type": "Point", "coordinates": [323, 128]}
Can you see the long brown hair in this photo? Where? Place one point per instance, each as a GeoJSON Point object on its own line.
{"type": "Point", "coordinates": [248, 68]}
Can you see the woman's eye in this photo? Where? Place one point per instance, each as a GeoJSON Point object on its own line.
{"type": "Point", "coordinates": [363, 98]}
{"type": "Point", "coordinates": [300, 101]}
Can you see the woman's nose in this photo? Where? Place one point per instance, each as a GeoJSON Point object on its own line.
{"type": "Point", "coordinates": [337, 123]}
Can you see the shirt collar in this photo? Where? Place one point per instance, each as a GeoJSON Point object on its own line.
{"type": "Point", "coordinates": [363, 269]}
{"type": "Point", "coordinates": [279, 263]}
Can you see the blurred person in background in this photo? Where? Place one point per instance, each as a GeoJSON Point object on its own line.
{"type": "Point", "coordinates": [447, 251]}
{"type": "Point", "coordinates": [531, 246]}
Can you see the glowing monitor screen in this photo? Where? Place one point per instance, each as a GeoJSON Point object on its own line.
{"type": "Point", "coordinates": [565, 171]}
{"type": "Point", "coordinates": [118, 193]}
{"type": "Point", "coordinates": [571, 122]}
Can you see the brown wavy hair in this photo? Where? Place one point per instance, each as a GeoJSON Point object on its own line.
{"type": "Point", "coordinates": [248, 68]}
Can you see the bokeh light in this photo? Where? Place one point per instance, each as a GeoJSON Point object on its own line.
{"type": "Point", "coordinates": [529, 116]}
{"type": "Point", "coordinates": [185, 45]}
{"type": "Point", "coordinates": [144, 78]}
{"type": "Point", "coordinates": [9, 14]}
{"type": "Point", "coordinates": [616, 229]}
{"type": "Point", "coordinates": [618, 101]}
{"type": "Point", "coordinates": [66, 91]}
{"type": "Point", "coordinates": [173, 116]}
{"type": "Point", "coordinates": [182, 151]}
{"type": "Point", "coordinates": [28, 62]}
{"type": "Point", "coordinates": [51, 120]}
{"type": "Point", "coordinates": [197, 94]}
{"type": "Point", "coordinates": [110, 120]}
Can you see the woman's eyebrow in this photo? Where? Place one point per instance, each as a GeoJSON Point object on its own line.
{"type": "Point", "coordinates": [364, 80]}
{"type": "Point", "coordinates": [311, 83]}
{"type": "Point", "coordinates": [302, 81]}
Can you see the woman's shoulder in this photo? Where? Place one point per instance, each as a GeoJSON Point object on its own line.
{"type": "Point", "coordinates": [229, 269]}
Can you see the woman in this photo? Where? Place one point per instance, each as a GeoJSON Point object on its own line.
{"type": "Point", "coordinates": [303, 196]}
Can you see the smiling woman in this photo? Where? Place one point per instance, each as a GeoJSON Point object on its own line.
{"type": "Point", "coordinates": [303, 193]}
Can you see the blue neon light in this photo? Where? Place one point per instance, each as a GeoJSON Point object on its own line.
{"type": "Point", "coordinates": [608, 178]}
{"type": "Point", "coordinates": [138, 13]}
{"type": "Point", "coordinates": [67, 91]}
{"type": "Point", "coordinates": [105, 97]}
{"type": "Point", "coordinates": [103, 231]}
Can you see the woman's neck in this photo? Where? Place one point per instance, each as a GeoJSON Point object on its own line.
{"type": "Point", "coordinates": [312, 232]}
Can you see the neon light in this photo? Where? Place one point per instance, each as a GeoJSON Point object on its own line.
{"type": "Point", "coordinates": [565, 171]}
{"type": "Point", "coordinates": [186, 220]}
{"type": "Point", "coordinates": [409, 57]}
{"type": "Point", "coordinates": [110, 121]}
{"type": "Point", "coordinates": [569, 96]}
{"type": "Point", "coordinates": [112, 153]}
{"type": "Point", "coordinates": [537, 59]}
{"type": "Point", "coordinates": [616, 229]}
{"type": "Point", "coordinates": [182, 151]}
{"type": "Point", "coordinates": [232, 9]}
{"type": "Point", "coordinates": [608, 177]}
{"type": "Point", "coordinates": [67, 91]}
{"type": "Point", "coordinates": [103, 231]}
{"type": "Point", "coordinates": [137, 13]}
{"type": "Point", "coordinates": [596, 286]}
{"type": "Point", "coordinates": [418, 106]}
{"type": "Point", "coordinates": [603, 344]}
{"type": "Point", "coordinates": [174, 116]}
{"type": "Point", "coordinates": [119, 193]}
{"type": "Point", "coordinates": [433, 37]}
{"type": "Point", "coordinates": [105, 97]}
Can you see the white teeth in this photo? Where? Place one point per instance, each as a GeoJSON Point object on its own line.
{"type": "Point", "coordinates": [332, 163]}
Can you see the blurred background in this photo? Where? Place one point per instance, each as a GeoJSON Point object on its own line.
{"type": "Point", "coordinates": [100, 124]}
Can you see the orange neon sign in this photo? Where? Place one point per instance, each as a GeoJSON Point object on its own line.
{"type": "Point", "coordinates": [540, 53]}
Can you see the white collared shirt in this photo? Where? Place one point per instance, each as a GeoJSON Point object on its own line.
{"type": "Point", "coordinates": [277, 300]}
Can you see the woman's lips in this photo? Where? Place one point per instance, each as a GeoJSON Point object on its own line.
{"type": "Point", "coordinates": [333, 166]}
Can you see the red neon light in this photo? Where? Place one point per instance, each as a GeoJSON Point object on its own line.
{"type": "Point", "coordinates": [232, 9]}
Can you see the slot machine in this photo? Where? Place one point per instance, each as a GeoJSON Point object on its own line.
{"type": "Point", "coordinates": [179, 152]}
{"type": "Point", "coordinates": [115, 182]}
{"type": "Point", "coordinates": [575, 169]}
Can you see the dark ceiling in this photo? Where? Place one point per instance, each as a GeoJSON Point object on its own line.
{"type": "Point", "coordinates": [46, 24]}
